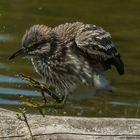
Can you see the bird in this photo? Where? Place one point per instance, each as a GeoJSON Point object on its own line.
{"type": "Point", "coordinates": [71, 54]}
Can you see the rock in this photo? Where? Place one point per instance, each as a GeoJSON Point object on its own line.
{"type": "Point", "coordinates": [68, 128]}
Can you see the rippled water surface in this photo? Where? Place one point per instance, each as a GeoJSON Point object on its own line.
{"type": "Point", "coordinates": [120, 18]}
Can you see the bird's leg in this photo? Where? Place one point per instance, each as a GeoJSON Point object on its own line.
{"type": "Point", "coordinates": [41, 87]}
{"type": "Point", "coordinates": [44, 97]}
{"type": "Point", "coordinates": [39, 106]}
{"type": "Point", "coordinates": [59, 105]}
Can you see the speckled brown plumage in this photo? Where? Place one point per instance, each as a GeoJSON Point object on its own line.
{"type": "Point", "coordinates": [71, 54]}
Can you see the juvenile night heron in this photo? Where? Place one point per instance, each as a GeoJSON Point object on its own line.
{"type": "Point", "coordinates": [70, 54]}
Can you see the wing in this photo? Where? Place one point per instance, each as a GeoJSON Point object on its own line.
{"type": "Point", "coordinates": [97, 43]}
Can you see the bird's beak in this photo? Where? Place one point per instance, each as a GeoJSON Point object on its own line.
{"type": "Point", "coordinates": [20, 52]}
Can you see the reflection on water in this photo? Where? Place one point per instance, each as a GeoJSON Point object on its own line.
{"type": "Point", "coordinates": [18, 92]}
{"type": "Point", "coordinates": [14, 93]}
{"type": "Point", "coordinates": [10, 79]}
{"type": "Point", "coordinates": [121, 104]}
{"type": "Point", "coordinates": [121, 19]}
{"type": "Point", "coordinates": [4, 37]}
{"type": "Point", "coordinates": [9, 102]}
{"type": "Point", "coordinates": [3, 66]}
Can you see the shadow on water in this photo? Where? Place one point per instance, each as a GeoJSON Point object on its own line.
{"type": "Point", "coordinates": [120, 18]}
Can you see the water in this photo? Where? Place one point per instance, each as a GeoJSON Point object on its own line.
{"type": "Point", "coordinates": [120, 18]}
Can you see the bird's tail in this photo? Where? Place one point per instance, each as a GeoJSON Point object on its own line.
{"type": "Point", "coordinates": [117, 62]}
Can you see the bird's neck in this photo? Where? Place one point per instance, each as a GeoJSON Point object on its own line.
{"type": "Point", "coordinates": [39, 65]}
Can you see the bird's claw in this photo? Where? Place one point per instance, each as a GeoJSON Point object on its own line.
{"type": "Point", "coordinates": [33, 83]}
{"type": "Point", "coordinates": [28, 78]}
{"type": "Point", "coordinates": [41, 87]}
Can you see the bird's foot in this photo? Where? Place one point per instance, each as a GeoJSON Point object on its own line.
{"type": "Point", "coordinates": [42, 88]}
{"type": "Point", "coordinates": [59, 105]}
{"type": "Point", "coordinates": [41, 106]}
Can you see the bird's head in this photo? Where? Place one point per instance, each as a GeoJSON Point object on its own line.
{"type": "Point", "coordinates": [36, 42]}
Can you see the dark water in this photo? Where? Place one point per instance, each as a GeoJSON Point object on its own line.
{"type": "Point", "coordinates": [120, 18]}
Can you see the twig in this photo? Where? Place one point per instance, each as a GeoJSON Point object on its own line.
{"type": "Point", "coordinates": [24, 118]}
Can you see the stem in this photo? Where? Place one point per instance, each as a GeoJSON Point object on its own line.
{"type": "Point", "coordinates": [26, 121]}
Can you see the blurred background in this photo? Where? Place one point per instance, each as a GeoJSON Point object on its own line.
{"type": "Point", "coordinates": [119, 17]}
